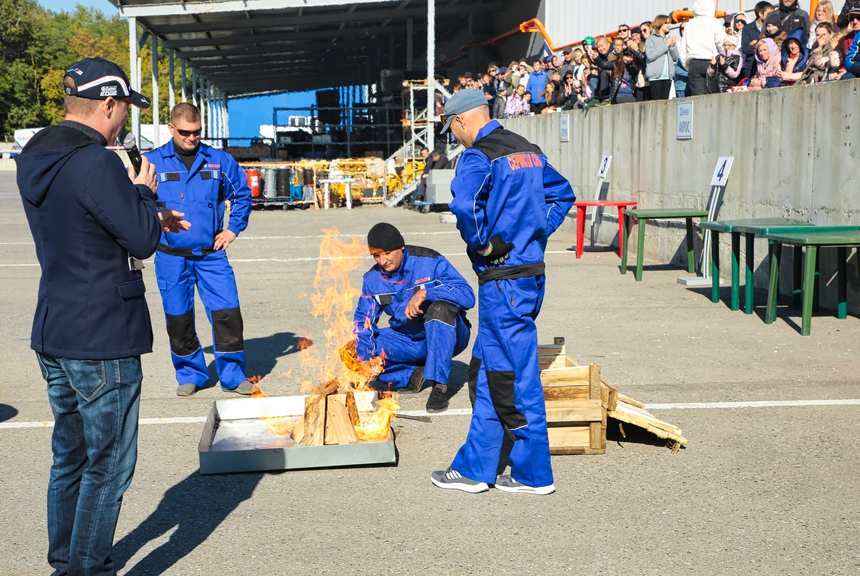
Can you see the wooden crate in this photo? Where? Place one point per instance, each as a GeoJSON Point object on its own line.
{"type": "Point", "coordinates": [575, 412]}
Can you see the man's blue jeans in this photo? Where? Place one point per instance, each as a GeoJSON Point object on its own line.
{"type": "Point", "coordinates": [95, 405]}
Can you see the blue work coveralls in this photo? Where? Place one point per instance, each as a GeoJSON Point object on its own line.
{"type": "Point", "coordinates": [505, 187]}
{"type": "Point", "coordinates": [188, 259]}
{"type": "Point", "coordinates": [433, 338]}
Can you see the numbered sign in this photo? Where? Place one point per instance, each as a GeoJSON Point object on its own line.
{"type": "Point", "coordinates": [604, 167]}
{"type": "Point", "coordinates": [721, 172]}
{"type": "Point", "coordinates": [564, 136]}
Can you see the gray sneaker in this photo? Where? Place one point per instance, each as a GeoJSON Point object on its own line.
{"type": "Point", "coordinates": [244, 389]}
{"type": "Point", "coordinates": [450, 479]}
{"type": "Point", "coordinates": [187, 389]}
{"type": "Point", "coordinates": [506, 483]}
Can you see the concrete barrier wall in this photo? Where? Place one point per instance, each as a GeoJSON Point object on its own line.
{"type": "Point", "coordinates": [7, 165]}
{"type": "Point", "coordinates": [795, 155]}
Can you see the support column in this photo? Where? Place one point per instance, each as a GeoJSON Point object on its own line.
{"type": "Point", "coordinates": [194, 87]}
{"type": "Point", "coordinates": [156, 120]}
{"type": "Point", "coordinates": [204, 113]}
{"type": "Point", "coordinates": [135, 77]}
{"type": "Point", "coordinates": [171, 84]}
{"type": "Point", "coordinates": [431, 72]}
{"type": "Point", "coordinates": [226, 110]}
{"type": "Point", "coordinates": [184, 81]}
{"type": "Point", "coordinates": [410, 37]}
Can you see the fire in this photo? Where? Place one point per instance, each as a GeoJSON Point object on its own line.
{"type": "Point", "coordinates": [334, 300]}
{"type": "Point", "coordinates": [375, 426]}
{"type": "Point", "coordinates": [280, 426]}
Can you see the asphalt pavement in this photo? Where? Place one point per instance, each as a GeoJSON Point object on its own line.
{"type": "Point", "coordinates": [767, 484]}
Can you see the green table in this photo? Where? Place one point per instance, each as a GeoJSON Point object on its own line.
{"type": "Point", "coordinates": [658, 214]}
{"type": "Point", "coordinates": [812, 239]}
{"type": "Point", "coordinates": [750, 227]}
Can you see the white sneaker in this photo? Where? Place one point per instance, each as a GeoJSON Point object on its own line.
{"type": "Point", "coordinates": [506, 483]}
{"type": "Point", "coordinates": [450, 479]}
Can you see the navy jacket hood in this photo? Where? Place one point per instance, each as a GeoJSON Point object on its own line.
{"type": "Point", "coordinates": [43, 158]}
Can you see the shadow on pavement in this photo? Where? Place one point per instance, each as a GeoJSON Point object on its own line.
{"type": "Point", "coordinates": [196, 506]}
{"type": "Point", "coordinates": [7, 412]}
{"type": "Point", "coordinates": [632, 435]}
{"type": "Point", "coordinates": [261, 354]}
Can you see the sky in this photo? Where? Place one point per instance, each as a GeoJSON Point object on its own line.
{"type": "Point", "coordinates": [67, 6]}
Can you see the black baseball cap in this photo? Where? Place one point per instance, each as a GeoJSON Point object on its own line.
{"type": "Point", "coordinates": [98, 79]}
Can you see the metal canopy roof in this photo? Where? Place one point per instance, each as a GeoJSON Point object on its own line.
{"type": "Point", "coordinates": [254, 46]}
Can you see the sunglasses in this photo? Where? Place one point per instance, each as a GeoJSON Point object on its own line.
{"type": "Point", "coordinates": [188, 133]}
{"type": "Point", "coordinates": [624, 29]}
{"type": "Point", "coordinates": [444, 118]}
{"type": "Point", "coordinates": [853, 17]}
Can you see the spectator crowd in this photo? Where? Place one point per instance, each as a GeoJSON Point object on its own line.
{"type": "Point", "coordinates": [780, 45]}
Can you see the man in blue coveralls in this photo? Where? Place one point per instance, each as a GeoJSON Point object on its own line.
{"type": "Point", "coordinates": [196, 179]}
{"type": "Point", "coordinates": [508, 200]}
{"type": "Point", "coordinates": [426, 299]}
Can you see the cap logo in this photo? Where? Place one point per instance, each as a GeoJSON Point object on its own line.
{"type": "Point", "coordinates": [108, 91]}
{"type": "Point", "coordinates": [77, 71]}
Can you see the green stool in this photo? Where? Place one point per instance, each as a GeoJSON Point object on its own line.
{"type": "Point", "coordinates": [658, 214]}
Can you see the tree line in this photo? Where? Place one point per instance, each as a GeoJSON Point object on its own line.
{"type": "Point", "coordinates": [37, 46]}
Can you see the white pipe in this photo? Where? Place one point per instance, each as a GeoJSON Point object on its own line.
{"type": "Point", "coordinates": [184, 81]}
{"type": "Point", "coordinates": [431, 71]}
{"type": "Point", "coordinates": [135, 77]}
{"type": "Point", "coordinates": [156, 141]}
{"type": "Point", "coordinates": [171, 84]}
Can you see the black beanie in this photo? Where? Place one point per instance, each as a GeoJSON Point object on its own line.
{"type": "Point", "coordinates": [384, 236]}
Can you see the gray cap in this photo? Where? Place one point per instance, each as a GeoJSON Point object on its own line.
{"type": "Point", "coordinates": [463, 101]}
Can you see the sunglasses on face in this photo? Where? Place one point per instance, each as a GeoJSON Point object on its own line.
{"type": "Point", "coordinates": [853, 17]}
{"type": "Point", "coordinates": [624, 29]}
{"type": "Point", "coordinates": [188, 133]}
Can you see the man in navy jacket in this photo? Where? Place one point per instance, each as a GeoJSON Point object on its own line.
{"type": "Point", "coordinates": [89, 219]}
{"type": "Point", "coordinates": [426, 300]}
{"type": "Point", "coordinates": [508, 199]}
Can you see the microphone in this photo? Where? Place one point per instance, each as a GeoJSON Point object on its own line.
{"type": "Point", "coordinates": [129, 142]}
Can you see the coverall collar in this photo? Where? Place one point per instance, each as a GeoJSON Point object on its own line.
{"type": "Point", "coordinates": [488, 128]}
{"type": "Point", "coordinates": [202, 156]}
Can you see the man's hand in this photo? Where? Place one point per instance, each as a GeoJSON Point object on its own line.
{"type": "Point", "coordinates": [146, 176]}
{"type": "Point", "coordinates": [498, 251]}
{"type": "Point", "coordinates": [171, 220]}
{"type": "Point", "coordinates": [413, 309]}
{"type": "Point", "coordinates": [671, 41]}
{"type": "Point", "coordinates": [223, 239]}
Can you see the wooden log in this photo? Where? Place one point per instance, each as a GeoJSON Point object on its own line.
{"type": "Point", "coordinates": [298, 432]}
{"type": "Point", "coordinates": [352, 408]}
{"type": "Point", "coordinates": [338, 425]}
{"type": "Point", "coordinates": [329, 387]}
{"type": "Point", "coordinates": [314, 420]}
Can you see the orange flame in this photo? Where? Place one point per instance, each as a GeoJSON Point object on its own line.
{"type": "Point", "coordinates": [279, 426]}
{"type": "Point", "coordinates": [376, 425]}
{"type": "Point", "coordinates": [334, 301]}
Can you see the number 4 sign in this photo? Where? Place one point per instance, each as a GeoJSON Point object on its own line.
{"type": "Point", "coordinates": [721, 172]}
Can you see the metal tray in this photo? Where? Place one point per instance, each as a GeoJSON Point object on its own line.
{"type": "Point", "coordinates": [235, 439]}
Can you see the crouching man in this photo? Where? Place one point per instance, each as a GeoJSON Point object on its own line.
{"type": "Point", "coordinates": [426, 300]}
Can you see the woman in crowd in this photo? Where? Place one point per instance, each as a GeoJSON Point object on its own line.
{"type": "Point", "coordinates": [567, 95]}
{"type": "Point", "coordinates": [768, 58]}
{"type": "Point", "coordinates": [660, 56]}
{"type": "Point", "coordinates": [739, 20]}
{"type": "Point", "coordinates": [728, 64]}
{"type": "Point", "coordinates": [794, 56]}
{"type": "Point", "coordinates": [517, 105]}
{"type": "Point", "coordinates": [646, 29]}
{"type": "Point", "coordinates": [824, 60]}
{"type": "Point", "coordinates": [823, 13]}
{"type": "Point", "coordinates": [623, 77]}
{"type": "Point", "coordinates": [550, 94]}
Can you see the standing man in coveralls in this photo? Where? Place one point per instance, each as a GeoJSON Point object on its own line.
{"type": "Point", "coordinates": [426, 300]}
{"type": "Point", "coordinates": [508, 200]}
{"type": "Point", "coordinates": [196, 179]}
